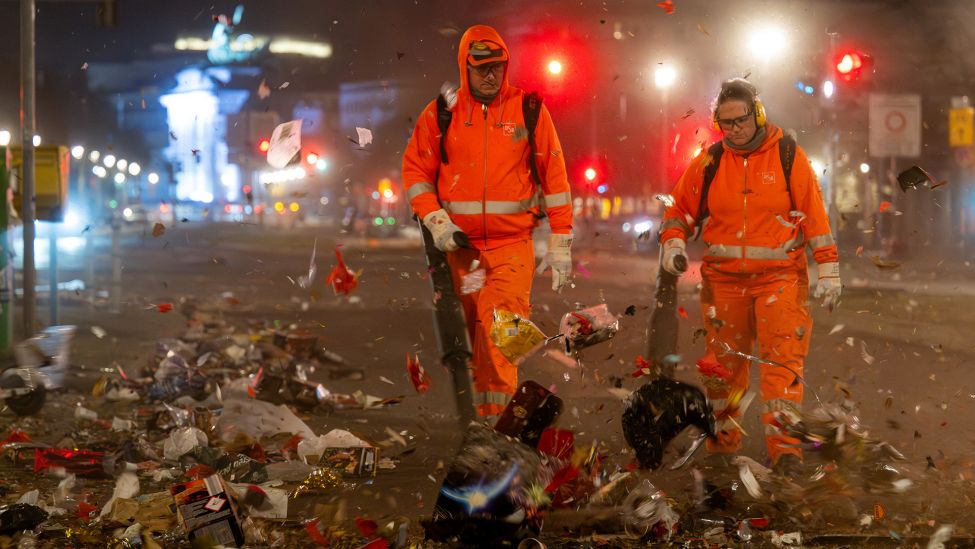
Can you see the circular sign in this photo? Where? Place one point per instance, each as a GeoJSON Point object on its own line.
{"type": "Point", "coordinates": [895, 121]}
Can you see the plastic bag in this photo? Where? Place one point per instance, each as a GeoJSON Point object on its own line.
{"type": "Point", "coordinates": [646, 507]}
{"type": "Point", "coordinates": [588, 327]}
{"type": "Point", "coordinates": [473, 281]}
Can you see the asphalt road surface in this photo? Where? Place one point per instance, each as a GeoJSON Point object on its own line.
{"type": "Point", "coordinates": [899, 346]}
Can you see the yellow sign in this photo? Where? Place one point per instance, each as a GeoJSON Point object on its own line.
{"type": "Point", "coordinates": [961, 127]}
{"type": "Point", "coordinates": [50, 181]}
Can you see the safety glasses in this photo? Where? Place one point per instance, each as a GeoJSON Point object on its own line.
{"type": "Point", "coordinates": [497, 69]}
{"type": "Point", "coordinates": [731, 123]}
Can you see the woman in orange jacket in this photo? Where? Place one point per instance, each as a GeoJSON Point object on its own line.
{"type": "Point", "coordinates": [484, 187]}
{"type": "Point", "coordinates": [755, 283]}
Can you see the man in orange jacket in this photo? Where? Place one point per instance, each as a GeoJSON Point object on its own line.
{"type": "Point", "coordinates": [755, 283]}
{"type": "Point", "coordinates": [485, 188]}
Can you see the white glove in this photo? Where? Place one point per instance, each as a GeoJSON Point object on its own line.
{"type": "Point", "coordinates": [673, 249]}
{"type": "Point", "coordinates": [829, 285]}
{"type": "Point", "coordinates": [442, 229]}
{"type": "Point", "coordinates": [559, 258]}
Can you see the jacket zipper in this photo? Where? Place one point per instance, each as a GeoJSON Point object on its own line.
{"type": "Point", "coordinates": [484, 109]}
{"type": "Point", "coordinates": [744, 215]}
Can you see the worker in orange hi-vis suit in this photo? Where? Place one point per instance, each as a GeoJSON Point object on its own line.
{"type": "Point", "coordinates": [755, 282]}
{"type": "Point", "coordinates": [478, 178]}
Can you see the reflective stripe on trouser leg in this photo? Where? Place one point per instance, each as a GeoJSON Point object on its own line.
{"type": "Point", "coordinates": [784, 326]}
{"type": "Point", "coordinates": [727, 318]}
{"type": "Point", "coordinates": [507, 287]}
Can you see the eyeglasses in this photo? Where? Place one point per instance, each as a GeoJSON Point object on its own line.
{"type": "Point", "coordinates": [497, 69]}
{"type": "Point", "coordinates": [730, 123]}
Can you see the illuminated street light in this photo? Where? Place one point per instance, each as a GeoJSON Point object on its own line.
{"type": "Point", "coordinates": [555, 66]}
{"type": "Point", "coordinates": [4, 138]}
{"type": "Point", "coordinates": [134, 169]}
{"type": "Point", "coordinates": [590, 174]}
{"type": "Point", "coordinates": [109, 160]}
{"type": "Point", "coordinates": [37, 141]}
{"type": "Point", "coordinates": [100, 171]}
{"type": "Point", "coordinates": [664, 76]}
{"type": "Point", "coordinates": [93, 156]}
{"type": "Point", "coordinates": [864, 167]}
{"type": "Point", "coordinates": [767, 42]}
{"type": "Point", "coordinates": [321, 165]}
{"type": "Point", "coordinates": [153, 178]}
{"type": "Point", "coordinates": [828, 89]}
{"type": "Point", "coordinates": [121, 164]}
{"type": "Point", "coordinates": [77, 152]}
{"type": "Point", "coordinates": [120, 178]}
{"type": "Point", "coordinates": [312, 158]}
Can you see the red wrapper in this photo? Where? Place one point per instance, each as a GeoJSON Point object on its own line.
{"type": "Point", "coordinates": [83, 463]}
{"type": "Point", "coordinates": [342, 280]}
{"type": "Point", "coordinates": [419, 377]}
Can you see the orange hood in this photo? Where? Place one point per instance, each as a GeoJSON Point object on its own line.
{"type": "Point", "coordinates": [475, 33]}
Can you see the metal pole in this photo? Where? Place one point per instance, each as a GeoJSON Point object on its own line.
{"type": "Point", "coordinates": [27, 11]}
{"type": "Point", "coordinates": [52, 274]}
{"type": "Point", "coordinates": [6, 259]}
{"type": "Point", "coordinates": [116, 263]}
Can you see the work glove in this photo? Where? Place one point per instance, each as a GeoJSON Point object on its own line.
{"type": "Point", "coordinates": [443, 230]}
{"type": "Point", "coordinates": [673, 249]}
{"type": "Point", "coordinates": [449, 92]}
{"type": "Point", "coordinates": [829, 285]}
{"type": "Point", "coordinates": [559, 258]}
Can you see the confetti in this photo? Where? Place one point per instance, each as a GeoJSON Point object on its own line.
{"type": "Point", "coordinates": [667, 6]}
{"type": "Point", "coordinates": [703, 30]}
{"type": "Point", "coordinates": [682, 312]}
{"type": "Point", "coordinates": [158, 230]}
{"type": "Point", "coordinates": [263, 90]}
{"type": "Point", "coordinates": [365, 136]}
{"type": "Point", "coordinates": [418, 376]}
{"type": "Point", "coordinates": [342, 280]}
{"type": "Point", "coordinates": [884, 206]}
{"type": "Point", "coordinates": [99, 331]}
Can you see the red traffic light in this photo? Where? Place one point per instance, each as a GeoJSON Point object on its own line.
{"type": "Point", "coordinates": [590, 174]}
{"type": "Point", "coordinates": [849, 64]}
{"type": "Point", "coordinates": [554, 67]}
{"type": "Point", "coordinates": [263, 145]}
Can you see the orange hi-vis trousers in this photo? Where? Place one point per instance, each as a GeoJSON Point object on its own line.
{"type": "Point", "coordinates": [770, 309]}
{"type": "Point", "coordinates": [508, 285]}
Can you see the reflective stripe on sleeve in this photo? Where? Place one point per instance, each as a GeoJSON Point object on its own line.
{"type": "Point", "coordinates": [821, 241]}
{"type": "Point", "coordinates": [417, 189]}
{"type": "Point", "coordinates": [558, 199]}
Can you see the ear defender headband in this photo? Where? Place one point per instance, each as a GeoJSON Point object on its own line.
{"type": "Point", "coordinates": [758, 109]}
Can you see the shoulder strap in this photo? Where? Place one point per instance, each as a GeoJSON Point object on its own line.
{"type": "Point", "coordinates": [443, 123]}
{"type": "Point", "coordinates": [715, 152]}
{"type": "Point", "coordinates": [787, 156]}
{"type": "Point", "coordinates": [531, 107]}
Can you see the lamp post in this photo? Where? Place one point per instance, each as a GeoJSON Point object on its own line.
{"type": "Point", "coordinates": [663, 78]}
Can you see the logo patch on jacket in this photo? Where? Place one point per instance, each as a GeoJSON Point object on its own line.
{"type": "Point", "coordinates": [767, 178]}
{"type": "Point", "coordinates": [508, 128]}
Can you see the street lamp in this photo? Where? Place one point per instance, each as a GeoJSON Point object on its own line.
{"type": "Point", "coordinates": [37, 140]}
{"type": "Point", "coordinates": [767, 42]}
{"type": "Point", "coordinates": [100, 171]}
{"type": "Point", "coordinates": [828, 89]}
{"type": "Point", "coordinates": [120, 178]}
{"type": "Point", "coordinates": [134, 169]}
{"type": "Point", "coordinates": [153, 178]}
{"type": "Point", "coordinates": [864, 167]}
{"type": "Point", "coordinates": [93, 156]}
{"type": "Point", "coordinates": [555, 67]}
{"type": "Point", "coordinates": [77, 152]}
{"type": "Point", "coordinates": [4, 138]}
{"type": "Point", "coordinates": [664, 77]}
{"type": "Point", "coordinates": [121, 164]}
{"type": "Point", "coordinates": [109, 160]}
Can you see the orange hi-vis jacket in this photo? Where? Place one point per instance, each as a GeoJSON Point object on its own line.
{"type": "Point", "coordinates": [487, 188]}
{"type": "Point", "coordinates": [751, 227]}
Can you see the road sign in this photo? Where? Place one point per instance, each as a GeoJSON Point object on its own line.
{"type": "Point", "coordinates": [961, 127]}
{"type": "Point", "coordinates": [50, 181]}
{"type": "Point", "coordinates": [895, 125]}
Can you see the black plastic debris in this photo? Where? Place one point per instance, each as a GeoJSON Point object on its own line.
{"type": "Point", "coordinates": [914, 177]}
{"type": "Point", "coordinates": [20, 517]}
{"type": "Point", "coordinates": [658, 412]}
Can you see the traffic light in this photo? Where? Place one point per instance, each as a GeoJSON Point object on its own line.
{"type": "Point", "coordinates": [591, 174]}
{"type": "Point", "coordinates": [850, 64]}
{"type": "Point", "coordinates": [311, 159]}
{"type": "Point", "coordinates": [249, 194]}
{"type": "Point", "coordinates": [263, 145]}
{"type": "Point", "coordinates": [385, 190]}
{"type": "Point", "coordinates": [554, 67]}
